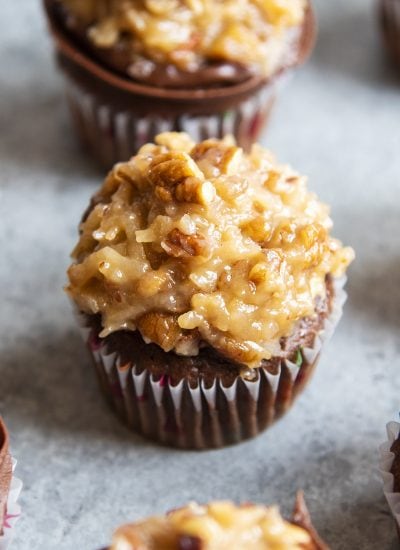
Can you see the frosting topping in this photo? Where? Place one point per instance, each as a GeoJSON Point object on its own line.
{"type": "Point", "coordinates": [217, 526]}
{"type": "Point", "coordinates": [186, 35]}
{"type": "Point", "coordinates": [203, 244]}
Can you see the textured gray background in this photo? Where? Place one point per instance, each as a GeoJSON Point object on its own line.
{"type": "Point", "coordinates": [84, 473]}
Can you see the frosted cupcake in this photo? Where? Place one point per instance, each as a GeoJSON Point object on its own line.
{"type": "Point", "coordinates": [136, 68]}
{"type": "Point", "coordinates": [221, 525]}
{"type": "Point", "coordinates": [206, 281]}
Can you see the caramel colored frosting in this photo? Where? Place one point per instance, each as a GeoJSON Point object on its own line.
{"type": "Point", "coordinates": [217, 526]}
{"type": "Point", "coordinates": [204, 245]}
{"type": "Point", "coordinates": [190, 34]}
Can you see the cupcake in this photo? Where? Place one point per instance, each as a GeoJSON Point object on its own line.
{"type": "Point", "coordinates": [5, 474]}
{"type": "Point", "coordinates": [209, 68]}
{"type": "Point", "coordinates": [205, 281]}
{"type": "Point", "coordinates": [390, 469]}
{"type": "Point", "coordinates": [221, 525]}
{"type": "Point", "coordinates": [389, 12]}
{"type": "Point", "coordinates": [10, 488]}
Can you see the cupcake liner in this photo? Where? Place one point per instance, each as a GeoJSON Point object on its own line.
{"type": "Point", "coordinates": [112, 134]}
{"type": "Point", "coordinates": [13, 511]}
{"type": "Point", "coordinates": [114, 115]}
{"type": "Point", "coordinates": [385, 465]}
{"type": "Point", "coordinates": [390, 23]}
{"type": "Point", "coordinates": [202, 416]}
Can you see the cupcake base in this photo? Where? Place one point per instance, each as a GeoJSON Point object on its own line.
{"type": "Point", "coordinates": [114, 115]}
{"type": "Point", "coordinates": [204, 414]}
{"type": "Point", "coordinates": [112, 134]}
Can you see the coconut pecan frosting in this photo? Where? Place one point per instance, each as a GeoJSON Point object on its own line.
{"type": "Point", "coordinates": [204, 245]}
{"type": "Point", "coordinates": [220, 525]}
{"type": "Point", "coordinates": [190, 34]}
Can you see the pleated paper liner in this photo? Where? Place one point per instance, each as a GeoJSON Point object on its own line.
{"type": "Point", "coordinates": [112, 134]}
{"type": "Point", "coordinates": [385, 465]}
{"type": "Point", "coordinates": [13, 511]}
{"type": "Point", "coordinates": [205, 416]}
{"type": "Point", "coordinates": [114, 115]}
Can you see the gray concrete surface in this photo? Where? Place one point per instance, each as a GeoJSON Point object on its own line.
{"type": "Point", "coordinates": [83, 472]}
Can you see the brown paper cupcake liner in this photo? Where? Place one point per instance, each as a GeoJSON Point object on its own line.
{"type": "Point", "coordinates": [201, 416]}
{"type": "Point", "coordinates": [385, 465]}
{"type": "Point", "coordinates": [114, 115]}
{"type": "Point", "coordinates": [112, 135]}
{"type": "Point", "coordinates": [389, 13]}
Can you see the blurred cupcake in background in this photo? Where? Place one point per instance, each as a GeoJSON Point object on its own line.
{"type": "Point", "coordinates": [221, 525]}
{"type": "Point", "coordinates": [10, 488]}
{"type": "Point", "coordinates": [390, 469]}
{"type": "Point", "coordinates": [206, 281]}
{"type": "Point", "coordinates": [389, 12]}
{"type": "Point", "coordinates": [137, 68]}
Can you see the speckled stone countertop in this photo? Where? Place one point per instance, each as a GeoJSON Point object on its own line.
{"type": "Point", "coordinates": [83, 472]}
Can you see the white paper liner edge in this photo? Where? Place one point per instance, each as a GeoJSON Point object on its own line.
{"type": "Point", "coordinates": [385, 465]}
{"type": "Point", "coordinates": [196, 393]}
{"type": "Point", "coordinates": [13, 511]}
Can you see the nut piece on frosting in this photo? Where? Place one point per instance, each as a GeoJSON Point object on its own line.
{"type": "Point", "coordinates": [204, 245]}
{"type": "Point", "coordinates": [188, 34]}
{"type": "Point", "coordinates": [219, 525]}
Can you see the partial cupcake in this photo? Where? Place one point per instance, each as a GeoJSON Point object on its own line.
{"type": "Point", "coordinates": [10, 488]}
{"type": "Point", "coordinates": [134, 69]}
{"type": "Point", "coordinates": [390, 469]}
{"type": "Point", "coordinates": [206, 281]}
{"type": "Point", "coordinates": [389, 12]}
{"type": "Point", "coordinates": [5, 474]}
{"type": "Point", "coordinates": [221, 525]}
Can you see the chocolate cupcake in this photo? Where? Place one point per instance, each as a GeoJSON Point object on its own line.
{"type": "Point", "coordinates": [5, 474]}
{"type": "Point", "coordinates": [10, 488]}
{"type": "Point", "coordinates": [221, 525]}
{"type": "Point", "coordinates": [206, 281]}
{"type": "Point", "coordinates": [390, 469]}
{"type": "Point", "coordinates": [389, 13]}
{"type": "Point", "coordinates": [134, 69]}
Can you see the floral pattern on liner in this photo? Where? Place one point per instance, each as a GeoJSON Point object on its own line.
{"type": "Point", "coordinates": [114, 135]}
{"type": "Point", "coordinates": [205, 417]}
{"type": "Point", "coordinates": [13, 511]}
{"type": "Point", "coordinates": [385, 465]}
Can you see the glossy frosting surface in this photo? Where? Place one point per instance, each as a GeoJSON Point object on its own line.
{"type": "Point", "coordinates": [217, 526]}
{"type": "Point", "coordinates": [204, 244]}
{"type": "Point", "coordinates": [146, 37]}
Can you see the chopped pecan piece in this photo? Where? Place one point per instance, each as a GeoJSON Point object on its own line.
{"type": "Point", "coordinates": [176, 175]}
{"type": "Point", "coordinates": [217, 154]}
{"type": "Point", "coordinates": [160, 328]}
{"type": "Point", "coordinates": [236, 350]}
{"type": "Point", "coordinates": [180, 245]}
